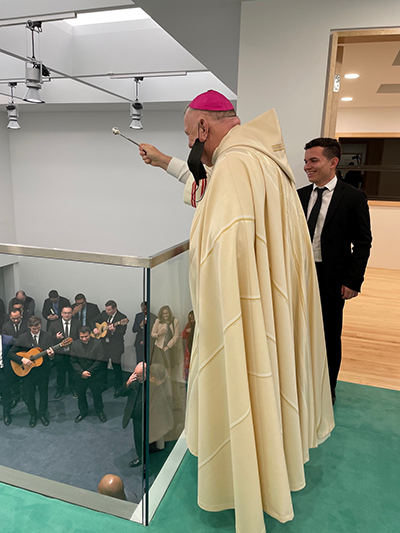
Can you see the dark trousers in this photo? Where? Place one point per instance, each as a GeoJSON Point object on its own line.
{"type": "Point", "coordinates": [37, 378]}
{"type": "Point", "coordinates": [94, 385]}
{"type": "Point", "coordinates": [5, 389]}
{"type": "Point", "coordinates": [332, 305]}
{"type": "Point", "coordinates": [137, 427]}
{"type": "Point", "coordinates": [117, 371]}
{"type": "Point", "coordinates": [63, 367]}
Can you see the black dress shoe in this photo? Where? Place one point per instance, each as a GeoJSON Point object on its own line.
{"type": "Point", "coordinates": [74, 394]}
{"type": "Point", "coordinates": [102, 416]}
{"type": "Point", "coordinates": [44, 420]}
{"type": "Point", "coordinates": [58, 395]}
{"type": "Point", "coordinates": [32, 422]}
{"type": "Point", "coordinates": [135, 462]}
{"type": "Point", "coordinates": [7, 420]}
{"type": "Point", "coordinates": [79, 418]}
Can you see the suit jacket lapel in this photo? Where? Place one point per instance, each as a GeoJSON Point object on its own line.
{"type": "Point", "coordinates": [337, 196]}
{"type": "Point", "coordinates": [304, 199]}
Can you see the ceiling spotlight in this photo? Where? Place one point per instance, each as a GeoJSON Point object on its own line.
{"type": "Point", "coordinates": [346, 99]}
{"type": "Point", "coordinates": [12, 110]}
{"type": "Point", "coordinates": [136, 111]}
{"type": "Point", "coordinates": [350, 76]}
{"type": "Point", "coordinates": [34, 69]}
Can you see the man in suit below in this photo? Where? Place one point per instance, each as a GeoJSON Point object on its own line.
{"type": "Point", "coordinates": [86, 356]}
{"type": "Point", "coordinates": [52, 307]}
{"type": "Point", "coordinates": [61, 329]}
{"type": "Point", "coordinates": [27, 302]}
{"type": "Point", "coordinates": [13, 328]}
{"type": "Point", "coordinates": [133, 388]}
{"type": "Point", "coordinates": [340, 231]}
{"type": "Point", "coordinates": [5, 378]}
{"type": "Point", "coordinates": [2, 313]}
{"type": "Point", "coordinates": [38, 376]}
{"type": "Point", "coordinates": [84, 311]}
{"type": "Point", "coordinates": [138, 328]}
{"type": "Point", "coordinates": [113, 341]}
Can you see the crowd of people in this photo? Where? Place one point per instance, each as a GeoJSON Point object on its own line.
{"type": "Point", "coordinates": [83, 344]}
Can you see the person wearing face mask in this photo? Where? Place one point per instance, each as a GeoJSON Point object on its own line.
{"type": "Point", "coordinates": [258, 390]}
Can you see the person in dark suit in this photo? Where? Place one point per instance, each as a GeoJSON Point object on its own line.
{"type": "Point", "coordinates": [113, 341]}
{"type": "Point", "coordinates": [138, 328]}
{"type": "Point", "coordinates": [38, 376]}
{"type": "Point", "coordinates": [86, 356]}
{"type": "Point", "coordinates": [5, 378]}
{"type": "Point", "coordinates": [133, 388]}
{"type": "Point", "coordinates": [84, 311]}
{"type": "Point", "coordinates": [27, 302]}
{"type": "Point", "coordinates": [15, 325]}
{"type": "Point", "coordinates": [340, 231]}
{"type": "Point", "coordinates": [13, 328]}
{"type": "Point", "coordinates": [52, 307]}
{"type": "Point", "coordinates": [61, 329]}
{"type": "Point", "coordinates": [2, 313]}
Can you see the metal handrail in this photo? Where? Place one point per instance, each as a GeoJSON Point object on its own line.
{"type": "Point", "coordinates": [94, 257]}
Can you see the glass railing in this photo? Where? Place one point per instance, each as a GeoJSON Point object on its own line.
{"type": "Point", "coordinates": [110, 400]}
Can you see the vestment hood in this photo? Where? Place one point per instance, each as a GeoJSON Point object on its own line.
{"type": "Point", "coordinates": [263, 134]}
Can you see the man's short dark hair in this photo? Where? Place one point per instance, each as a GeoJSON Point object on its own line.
{"type": "Point", "coordinates": [331, 147]}
{"type": "Point", "coordinates": [34, 321]}
{"type": "Point", "coordinates": [111, 303]}
{"type": "Point", "coordinates": [80, 296]}
{"type": "Point", "coordinates": [53, 294]}
{"type": "Point", "coordinates": [84, 329]}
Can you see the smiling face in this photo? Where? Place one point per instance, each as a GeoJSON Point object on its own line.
{"type": "Point", "coordinates": [165, 314]}
{"type": "Point", "coordinates": [318, 168]}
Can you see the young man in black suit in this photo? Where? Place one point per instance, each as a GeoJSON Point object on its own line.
{"type": "Point", "coordinates": [52, 307]}
{"type": "Point", "coordinates": [113, 341]}
{"type": "Point", "coordinates": [86, 357]}
{"type": "Point", "coordinates": [5, 378]}
{"type": "Point", "coordinates": [340, 231]}
{"type": "Point", "coordinates": [38, 376]}
{"type": "Point", "coordinates": [61, 329]}
{"type": "Point", "coordinates": [83, 310]}
{"type": "Point", "coordinates": [14, 327]}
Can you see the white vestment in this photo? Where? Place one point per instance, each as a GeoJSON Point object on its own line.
{"type": "Point", "coordinates": [258, 393]}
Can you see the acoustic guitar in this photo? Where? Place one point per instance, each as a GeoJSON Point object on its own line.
{"type": "Point", "coordinates": [103, 328]}
{"type": "Point", "coordinates": [36, 356]}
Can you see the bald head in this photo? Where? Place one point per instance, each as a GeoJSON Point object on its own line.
{"type": "Point", "coordinates": [112, 485]}
{"type": "Point", "coordinates": [210, 127]}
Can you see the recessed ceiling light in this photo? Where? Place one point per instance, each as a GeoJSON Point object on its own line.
{"type": "Point", "coordinates": [115, 15]}
{"type": "Point", "coordinates": [346, 99]}
{"type": "Point", "coordinates": [351, 76]}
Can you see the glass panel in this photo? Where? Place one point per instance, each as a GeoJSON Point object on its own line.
{"type": "Point", "coordinates": [169, 338]}
{"type": "Point", "coordinates": [52, 442]}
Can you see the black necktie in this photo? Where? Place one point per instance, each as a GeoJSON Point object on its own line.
{"type": "Point", "coordinates": [312, 219]}
{"type": "Point", "coordinates": [66, 329]}
{"type": "Point", "coordinates": [35, 340]}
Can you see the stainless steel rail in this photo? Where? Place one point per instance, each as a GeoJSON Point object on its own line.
{"type": "Point", "coordinates": [92, 257]}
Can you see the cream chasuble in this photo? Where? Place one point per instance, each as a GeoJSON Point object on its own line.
{"type": "Point", "coordinates": [259, 395]}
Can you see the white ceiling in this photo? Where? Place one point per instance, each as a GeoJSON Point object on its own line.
{"type": "Point", "coordinates": [374, 62]}
{"type": "Point", "coordinates": [80, 58]}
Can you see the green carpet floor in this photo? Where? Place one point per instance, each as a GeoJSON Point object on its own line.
{"type": "Point", "coordinates": [353, 485]}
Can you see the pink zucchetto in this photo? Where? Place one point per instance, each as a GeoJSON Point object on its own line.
{"type": "Point", "coordinates": [211, 101]}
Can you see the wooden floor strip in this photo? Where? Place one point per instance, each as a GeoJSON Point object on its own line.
{"type": "Point", "coordinates": [371, 332]}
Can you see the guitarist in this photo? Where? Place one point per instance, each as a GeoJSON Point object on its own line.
{"type": "Point", "coordinates": [113, 342]}
{"type": "Point", "coordinates": [38, 376]}
{"type": "Point", "coordinates": [61, 329]}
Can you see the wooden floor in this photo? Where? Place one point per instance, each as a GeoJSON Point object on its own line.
{"type": "Point", "coordinates": [371, 332]}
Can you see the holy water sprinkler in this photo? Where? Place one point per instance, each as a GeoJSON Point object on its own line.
{"type": "Point", "coordinates": [117, 132]}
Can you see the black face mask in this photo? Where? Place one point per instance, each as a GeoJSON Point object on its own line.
{"type": "Point", "coordinates": [195, 165]}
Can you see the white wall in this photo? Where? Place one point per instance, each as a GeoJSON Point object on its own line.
{"type": "Point", "coordinates": [368, 120]}
{"type": "Point", "coordinates": [283, 60]}
{"type": "Point", "coordinates": [7, 223]}
{"type": "Point", "coordinates": [77, 186]}
{"type": "Point", "coordinates": [283, 63]}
